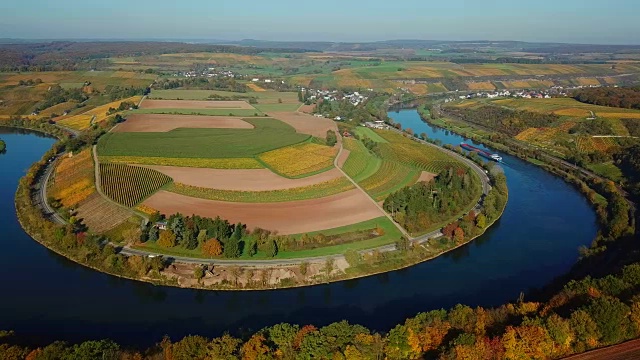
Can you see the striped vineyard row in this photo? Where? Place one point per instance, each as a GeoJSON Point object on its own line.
{"type": "Point", "coordinates": [360, 164]}
{"type": "Point", "coordinates": [129, 185]}
{"type": "Point", "coordinates": [391, 176]}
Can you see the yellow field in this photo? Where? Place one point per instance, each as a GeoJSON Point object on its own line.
{"type": "Point", "coordinates": [146, 209]}
{"type": "Point", "coordinates": [73, 181]}
{"type": "Point", "coordinates": [255, 87]}
{"type": "Point", "coordinates": [485, 85]}
{"type": "Point", "coordinates": [78, 122]}
{"type": "Point", "coordinates": [233, 163]}
{"type": "Point", "coordinates": [57, 109]}
{"type": "Point", "coordinates": [587, 144]}
{"type": "Point", "coordinates": [83, 121]}
{"type": "Point", "coordinates": [588, 81]}
{"type": "Point", "coordinates": [297, 160]}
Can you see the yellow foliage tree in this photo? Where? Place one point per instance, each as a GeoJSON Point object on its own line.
{"type": "Point", "coordinates": [212, 247]}
{"type": "Point", "coordinates": [167, 239]}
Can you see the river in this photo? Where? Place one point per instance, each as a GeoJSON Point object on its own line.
{"type": "Point", "coordinates": [50, 298]}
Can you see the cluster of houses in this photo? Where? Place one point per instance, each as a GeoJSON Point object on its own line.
{"type": "Point", "coordinates": [525, 94]}
{"type": "Point", "coordinates": [378, 124]}
{"type": "Point", "coordinates": [209, 73]}
{"type": "Point", "coordinates": [355, 98]}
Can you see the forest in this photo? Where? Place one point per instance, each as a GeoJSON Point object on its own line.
{"type": "Point", "coordinates": [510, 122]}
{"type": "Point", "coordinates": [621, 97]}
{"type": "Point", "coordinates": [65, 55]}
{"type": "Point", "coordinates": [419, 207]}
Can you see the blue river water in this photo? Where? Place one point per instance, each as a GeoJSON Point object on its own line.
{"type": "Point", "coordinates": [48, 298]}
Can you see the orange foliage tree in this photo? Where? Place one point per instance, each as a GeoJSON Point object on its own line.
{"type": "Point", "coordinates": [212, 247]}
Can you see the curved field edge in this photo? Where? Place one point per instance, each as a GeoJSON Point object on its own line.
{"type": "Point", "coordinates": [23, 196]}
{"type": "Point", "coordinates": [207, 163]}
{"type": "Point", "coordinates": [315, 191]}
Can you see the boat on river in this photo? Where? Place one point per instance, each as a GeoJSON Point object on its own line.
{"type": "Point", "coordinates": [483, 153]}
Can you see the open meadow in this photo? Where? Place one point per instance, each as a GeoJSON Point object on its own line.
{"type": "Point", "coordinates": [268, 134]}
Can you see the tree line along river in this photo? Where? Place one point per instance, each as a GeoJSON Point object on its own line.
{"type": "Point", "coordinates": [50, 298]}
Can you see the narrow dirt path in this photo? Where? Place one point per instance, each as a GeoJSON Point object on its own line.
{"type": "Point", "coordinates": [335, 163]}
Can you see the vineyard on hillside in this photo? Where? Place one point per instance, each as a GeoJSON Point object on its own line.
{"type": "Point", "coordinates": [391, 176]}
{"type": "Point", "coordinates": [300, 159]}
{"type": "Point", "coordinates": [129, 185]}
{"type": "Point", "coordinates": [414, 154]}
{"type": "Point", "coordinates": [360, 164]}
{"type": "Point", "coordinates": [315, 191]}
{"type": "Point", "coordinates": [73, 179]}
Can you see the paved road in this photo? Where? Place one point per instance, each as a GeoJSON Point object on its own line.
{"type": "Point", "coordinates": [42, 194]}
{"type": "Point", "coordinates": [625, 351]}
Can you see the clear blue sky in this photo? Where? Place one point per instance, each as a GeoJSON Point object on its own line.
{"type": "Point", "coordinates": [583, 21]}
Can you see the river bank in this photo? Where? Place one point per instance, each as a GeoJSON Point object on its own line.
{"type": "Point", "coordinates": [494, 268]}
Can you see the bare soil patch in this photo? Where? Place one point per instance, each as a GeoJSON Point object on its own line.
{"type": "Point", "coordinates": [101, 215]}
{"type": "Point", "coordinates": [426, 176]}
{"type": "Point", "coordinates": [194, 104]}
{"type": "Point", "coordinates": [241, 179]}
{"type": "Point", "coordinates": [306, 124]}
{"type": "Point", "coordinates": [307, 108]}
{"type": "Point", "coordinates": [167, 122]}
{"type": "Point", "coordinates": [292, 217]}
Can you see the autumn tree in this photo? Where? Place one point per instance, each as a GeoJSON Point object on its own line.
{"type": "Point", "coordinates": [458, 235]}
{"type": "Point", "coordinates": [167, 239]}
{"type": "Point", "coordinates": [255, 348]}
{"type": "Point", "coordinates": [212, 247]}
{"type": "Point", "coordinates": [190, 347]}
{"type": "Point", "coordinates": [481, 221]}
{"type": "Point", "coordinates": [527, 342]}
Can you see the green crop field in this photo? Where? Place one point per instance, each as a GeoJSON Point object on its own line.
{"type": "Point", "coordinates": [210, 112]}
{"type": "Point", "coordinates": [392, 176]}
{"type": "Point", "coordinates": [361, 163]}
{"type": "Point", "coordinates": [362, 131]}
{"type": "Point", "coordinates": [315, 191]}
{"type": "Point", "coordinates": [268, 134]}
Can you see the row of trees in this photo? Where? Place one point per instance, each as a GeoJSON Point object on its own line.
{"type": "Point", "coordinates": [424, 204]}
{"type": "Point", "coordinates": [622, 97]}
{"type": "Point", "coordinates": [585, 314]}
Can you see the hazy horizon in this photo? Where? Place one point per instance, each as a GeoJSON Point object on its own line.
{"type": "Point", "coordinates": [570, 21]}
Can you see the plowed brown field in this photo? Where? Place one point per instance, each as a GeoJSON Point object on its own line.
{"type": "Point", "coordinates": [292, 217]}
{"type": "Point", "coordinates": [167, 122]}
{"type": "Point", "coordinates": [625, 351]}
{"type": "Point", "coordinates": [306, 124]}
{"type": "Point", "coordinates": [241, 179]}
{"type": "Point", "coordinates": [194, 104]}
